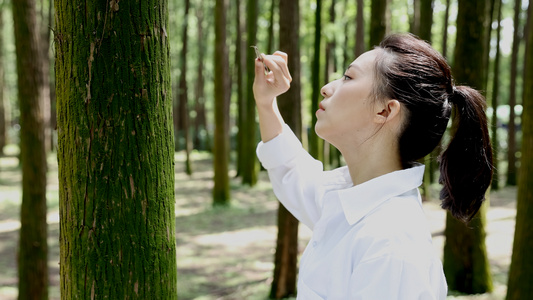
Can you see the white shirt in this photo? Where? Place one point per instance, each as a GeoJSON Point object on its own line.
{"type": "Point", "coordinates": [370, 241]}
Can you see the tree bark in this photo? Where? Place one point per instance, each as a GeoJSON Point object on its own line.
{"type": "Point", "coordinates": [316, 145]}
{"type": "Point", "coordinates": [360, 29]}
{"type": "Point", "coordinates": [378, 22]}
{"type": "Point", "coordinates": [115, 150]}
{"type": "Point", "coordinates": [521, 270]}
{"type": "Point", "coordinates": [183, 106]}
{"type": "Point", "coordinates": [286, 257]}
{"type": "Point", "coordinates": [221, 193]}
{"type": "Point", "coordinates": [201, 139]}
{"type": "Point", "coordinates": [240, 61]}
{"type": "Point", "coordinates": [33, 247]}
{"type": "Point", "coordinates": [511, 133]}
{"type": "Point", "coordinates": [250, 167]}
{"type": "Point", "coordinates": [465, 255]}
{"type": "Point", "coordinates": [495, 92]}
{"type": "Point", "coordinates": [3, 124]}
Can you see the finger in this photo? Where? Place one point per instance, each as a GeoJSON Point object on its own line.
{"type": "Point", "coordinates": [259, 69]}
{"type": "Point", "coordinates": [282, 63]}
{"type": "Point", "coordinates": [274, 67]}
{"type": "Point", "coordinates": [282, 54]}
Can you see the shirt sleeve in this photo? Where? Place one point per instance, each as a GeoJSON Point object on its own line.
{"type": "Point", "coordinates": [293, 174]}
{"type": "Point", "coordinates": [390, 277]}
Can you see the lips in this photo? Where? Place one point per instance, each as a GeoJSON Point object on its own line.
{"type": "Point", "coordinates": [321, 106]}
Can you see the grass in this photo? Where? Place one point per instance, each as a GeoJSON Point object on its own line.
{"type": "Point", "coordinates": [224, 252]}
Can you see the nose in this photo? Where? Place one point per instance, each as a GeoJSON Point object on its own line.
{"type": "Point", "coordinates": [326, 90]}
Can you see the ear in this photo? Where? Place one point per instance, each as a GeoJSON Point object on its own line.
{"type": "Point", "coordinates": [387, 112]}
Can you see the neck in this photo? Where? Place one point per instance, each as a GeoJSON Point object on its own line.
{"type": "Point", "coordinates": [369, 161]}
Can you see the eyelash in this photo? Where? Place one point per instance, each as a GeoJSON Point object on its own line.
{"type": "Point", "coordinates": [346, 77]}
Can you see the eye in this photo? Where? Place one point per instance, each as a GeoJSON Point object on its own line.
{"type": "Point", "coordinates": [346, 77]}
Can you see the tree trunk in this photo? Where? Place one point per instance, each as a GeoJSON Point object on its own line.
{"type": "Point", "coordinates": [240, 56]}
{"type": "Point", "coordinates": [286, 257]}
{"type": "Point", "coordinates": [201, 134]}
{"type": "Point", "coordinates": [378, 22]}
{"type": "Point", "coordinates": [315, 143]}
{"type": "Point", "coordinates": [183, 106]}
{"type": "Point", "coordinates": [445, 31]}
{"type": "Point", "coordinates": [250, 167]}
{"type": "Point", "coordinates": [221, 193]}
{"type": "Point", "coordinates": [465, 256]}
{"type": "Point", "coordinates": [33, 247]}
{"type": "Point", "coordinates": [115, 150]}
{"type": "Point", "coordinates": [45, 23]}
{"type": "Point", "coordinates": [360, 29]}
{"type": "Point", "coordinates": [3, 124]}
{"type": "Point", "coordinates": [521, 270]}
{"type": "Point", "coordinates": [270, 44]}
{"type": "Point", "coordinates": [495, 92]}
{"type": "Point", "coordinates": [511, 133]}
{"type": "Point", "coordinates": [426, 19]}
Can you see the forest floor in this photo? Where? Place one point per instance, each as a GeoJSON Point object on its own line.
{"type": "Point", "coordinates": [226, 253]}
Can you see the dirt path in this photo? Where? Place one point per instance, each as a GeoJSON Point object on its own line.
{"type": "Point", "coordinates": [226, 253]}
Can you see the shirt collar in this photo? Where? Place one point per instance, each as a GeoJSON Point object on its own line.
{"type": "Point", "coordinates": [359, 200]}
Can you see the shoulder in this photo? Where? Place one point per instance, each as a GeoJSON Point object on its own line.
{"type": "Point", "coordinates": [398, 228]}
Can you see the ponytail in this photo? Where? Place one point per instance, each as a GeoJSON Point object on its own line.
{"type": "Point", "coordinates": [466, 165]}
{"type": "Point", "coordinates": [412, 72]}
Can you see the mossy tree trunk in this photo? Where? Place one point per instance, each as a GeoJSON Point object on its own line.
{"type": "Point", "coordinates": [221, 192]}
{"type": "Point", "coordinates": [286, 257]}
{"type": "Point", "coordinates": [465, 259]}
{"type": "Point", "coordinates": [511, 133]}
{"type": "Point", "coordinates": [250, 164]}
{"type": "Point", "coordinates": [33, 247]}
{"type": "Point", "coordinates": [521, 271]}
{"type": "Point", "coordinates": [115, 150]}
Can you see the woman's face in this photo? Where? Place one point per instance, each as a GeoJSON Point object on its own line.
{"type": "Point", "coordinates": [346, 114]}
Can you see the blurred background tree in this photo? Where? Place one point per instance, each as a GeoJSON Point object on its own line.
{"type": "Point", "coordinates": [326, 36]}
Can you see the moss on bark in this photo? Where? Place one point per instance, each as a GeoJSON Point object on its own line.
{"type": "Point", "coordinates": [115, 150]}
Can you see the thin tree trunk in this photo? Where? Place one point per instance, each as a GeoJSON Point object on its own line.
{"type": "Point", "coordinates": [316, 143]}
{"type": "Point", "coordinates": [45, 23]}
{"type": "Point", "coordinates": [250, 167]}
{"type": "Point", "coordinates": [378, 22]}
{"type": "Point", "coordinates": [521, 269]}
{"type": "Point", "coordinates": [445, 31]}
{"type": "Point", "coordinates": [286, 257]}
{"type": "Point", "coordinates": [33, 246]}
{"type": "Point", "coordinates": [511, 133]}
{"type": "Point", "coordinates": [495, 92]}
{"type": "Point", "coordinates": [115, 150]}
{"type": "Point", "coordinates": [3, 124]}
{"type": "Point", "coordinates": [183, 106]}
{"type": "Point", "coordinates": [270, 44]}
{"type": "Point", "coordinates": [426, 20]}
{"type": "Point", "coordinates": [240, 56]}
{"type": "Point", "coordinates": [201, 134]}
{"type": "Point", "coordinates": [360, 29]}
{"type": "Point", "coordinates": [465, 260]}
{"type": "Point", "coordinates": [221, 192]}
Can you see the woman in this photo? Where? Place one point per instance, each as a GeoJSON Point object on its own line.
{"type": "Point", "coordinates": [370, 236]}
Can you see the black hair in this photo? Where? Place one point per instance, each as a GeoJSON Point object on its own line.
{"type": "Point", "coordinates": [412, 72]}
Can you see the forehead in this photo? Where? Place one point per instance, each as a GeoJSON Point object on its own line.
{"type": "Point", "coordinates": [365, 62]}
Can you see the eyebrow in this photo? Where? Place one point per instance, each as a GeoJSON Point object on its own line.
{"type": "Point", "coordinates": [355, 67]}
